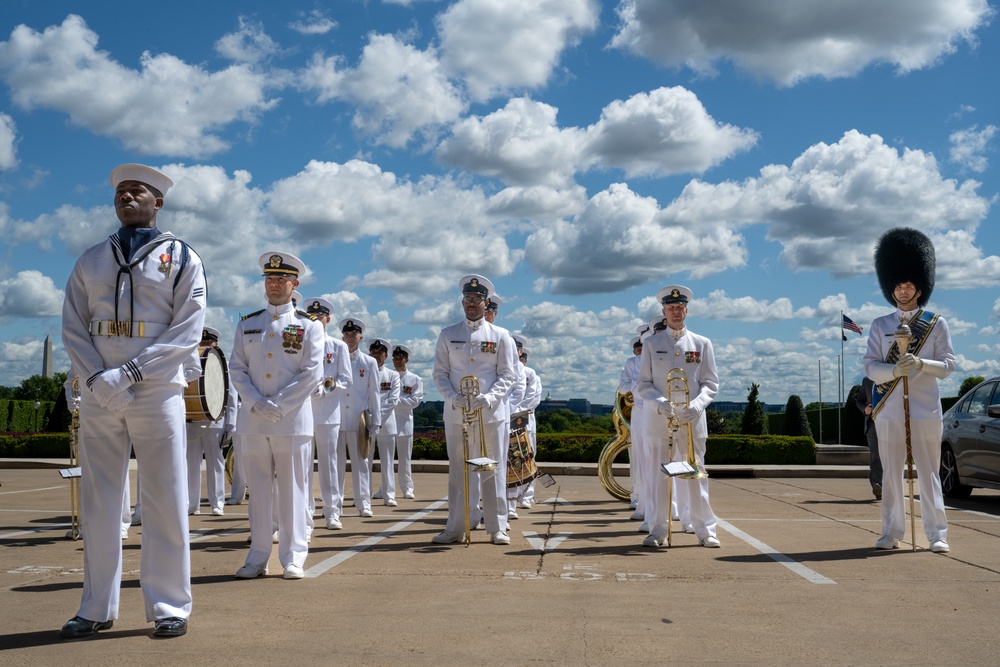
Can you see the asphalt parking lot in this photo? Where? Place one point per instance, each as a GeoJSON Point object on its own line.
{"type": "Point", "coordinates": [797, 581]}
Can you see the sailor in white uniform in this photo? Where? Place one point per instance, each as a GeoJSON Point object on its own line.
{"type": "Point", "coordinates": [475, 349]}
{"type": "Point", "coordinates": [360, 405]}
{"type": "Point", "coordinates": [276, 366]}
{"type": "Point", "coordinates": [132, 318]}
{"type": "Point", "coordinates": [676, 347]}
{"type": "Point", "coordinates": [905, 266]}
{"type": "Point", "coordinates": [388, 388]}
{"type": "Point", "coordinates": [326, 400]}
{"type": "Point", "coordinates": [411, 394]}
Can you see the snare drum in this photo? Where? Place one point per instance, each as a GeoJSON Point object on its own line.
{"type": "Point", "coordinates": [521, 467]}
{"type": "Point", "coordinates": [205, 399]}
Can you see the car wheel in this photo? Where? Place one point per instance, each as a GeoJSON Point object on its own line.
{"type": "Point", "coordinates": [951, 485]}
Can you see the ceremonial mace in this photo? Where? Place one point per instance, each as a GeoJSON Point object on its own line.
{"type": "Point", "coordinates": [903, 339]}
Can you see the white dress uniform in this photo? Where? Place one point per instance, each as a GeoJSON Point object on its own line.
{"type": "Point", "coordinates": [326, 418]}
{"type": "Point", "coordinates": [532, 397]}
{"type": "Point", "coordinates": [204, 439]}
{"type": "Point", "coordinates": [486, 352]}
{"type": "Point", "coordinates": [692, 353]}
{"type": "Point", "coordinates": [388, 389]}
{"type": "Point", "coordinates": [138, 322]}
{"type": "Point", "coordinates": [411, 395]}
{"type": "Point", "coordinates": [641, 447]}
{"type": "Point", "coordinates": [277, 358]}
{"type": "Point", "coordinates": [626, 383]}
{"type": "Point", "coordinates": [360, 398]}
{"type": "Point", "coordinates": [925, 426]}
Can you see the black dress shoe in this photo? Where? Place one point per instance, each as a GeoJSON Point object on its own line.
{"type": "Point", "coordinates": [79, 627]}
{"type": "Point", "coordinates": [170, 627]}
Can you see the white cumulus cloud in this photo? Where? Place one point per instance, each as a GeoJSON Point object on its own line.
{"type": "Point", "coordinates": [968, 146]}
{"type": "Point", "coordinates": [30, 293]}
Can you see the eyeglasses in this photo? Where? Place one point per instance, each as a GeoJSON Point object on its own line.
{"type": "Point", "coordinates": [473, 299]}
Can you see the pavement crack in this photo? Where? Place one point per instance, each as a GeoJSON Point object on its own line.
{"type": "Point", "coordinates": [548, 530]}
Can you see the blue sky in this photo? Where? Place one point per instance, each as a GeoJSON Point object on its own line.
{"type": "Point", "coordinates": [582, 155]}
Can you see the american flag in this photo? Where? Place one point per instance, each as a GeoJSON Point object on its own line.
{"type": "Point", "coordinates": [849, 324]}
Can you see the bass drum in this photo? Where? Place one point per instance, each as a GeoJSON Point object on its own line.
{"type": "Point", "coordinates": [205, 398]}
{"type": "Point", "coordinates": [521, 467]}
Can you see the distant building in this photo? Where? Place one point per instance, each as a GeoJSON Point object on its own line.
{"type": "Point", "coordinates": [579, 406]}
{"type": "Point", "coordinates": [47, 358]}
{"type": "Point", "coordinates": [735, 406]}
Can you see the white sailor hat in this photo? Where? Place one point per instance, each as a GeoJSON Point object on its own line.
{"type": "Point", "coordinates": [208, 333]}
{"type": "Point", "coordinates": [641, 329]}
{"type": "Point", "coordinates": [277, 263]}
{"type": "Point", "coordinates": [351, 324]}
{"type": "Point", "coordinates": [646, 334]}
{"type": "Point", "coordinates": [142, 174]}
{"type": "Point", "coordinates": [674, 294]}
{"type": "Point", "coordinates": [494, 303]}
{"type": "Point", "coordinates": [519, 340]}
{"type": "Point", "coordinates": [636, 341]}
{"type": "Point", "coordinates": [400, 349]}
{"type": "Point", "coordinates": [379, 342]}
{"type": "Point", "coordinates": [524, 352]}
{"type": "Point", "coordinates": [316, 305]}
{"type": "Point", "coordinates": [296, 297]}
{"type": "Point", "coordinates": [476, 284]}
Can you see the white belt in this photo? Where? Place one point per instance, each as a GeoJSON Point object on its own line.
{"type": "Point", "coordinates": [126, 328]}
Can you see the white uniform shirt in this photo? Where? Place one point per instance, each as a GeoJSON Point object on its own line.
{"type": "Point", "coordinates": [661, 353]}
{"type": "Point", "coordinates": [626, 382]}
{"type": "Point", "coordinates": [925, 398]}
{"type": "Point", "coordinates": [388, 388]}
{"type": "Point", "coordinates": [336, 365]}
{"type": "Point", "coordinates": [277, 356]}
{"type": "Point", "coordinates": [168, 302]}
{"type": "Point", "coordinates": [411, 395]}
{"type": "Point", "coordinates": [484, 351]}
{"type": "Point", "coordinates": [363, 394]}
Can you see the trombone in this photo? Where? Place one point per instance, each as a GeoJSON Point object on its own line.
{"type": "Point", "coordinates": [678, 394]}
{"type": "Point", "coordinates": [469, 390]}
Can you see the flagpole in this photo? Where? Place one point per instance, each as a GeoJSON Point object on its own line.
{"type": "Point", "coordinates": [843, 362]}
{"type": "Point", "coordinates": [819, 366]}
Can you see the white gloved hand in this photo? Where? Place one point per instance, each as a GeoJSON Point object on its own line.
{"type": "Point", "coordinates": [458, 402]}
{"type": "Point", "coordinates": [373, 431]}
{"type": "Point", "coordinates": [665, 408]}
{"type": "Point", "coordinates": [908, 360]}
{"type": "Point", "coordinates": [118, 402]}
{"type": "Point", "coordinates": [481, 401]}
{"type": "Point", "coordinates": [901, 371]}
{"type": "Point", "coordinates": [690, 415]}
{"type": "Point", "coordinates": [267, 410]}
{"type": "Point", "coordinates": [109, 383]}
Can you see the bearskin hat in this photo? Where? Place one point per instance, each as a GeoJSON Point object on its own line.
{"type": "Point", "coordinates": [905, 255]}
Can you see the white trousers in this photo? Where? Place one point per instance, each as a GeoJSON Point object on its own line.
{"type": "Point", "coordinates": [361, 474]}
{"type": "Point", "coordinates": [692, 494]}
{"type": "Point", "coordinates": [925, 441]}
{"type": "Point", "coordinates": [490, 485]}
{"type": "Point", "coordinates": [205, 442]}
{"type": "Point", "coordinates": [154, 426]}
{"type": "Point", "coordinates": [404, 450]}
{"type": "Point", "coordinates": [281, 460]}
{"type": "Point", "coordinates": [641, 453]}
{"type": "Point", "coordinates": [386, 444]}
{"type": "Point", "coordinates": [326, 436]}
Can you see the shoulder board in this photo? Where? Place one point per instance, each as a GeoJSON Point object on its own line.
{"type": "Point", "coordinates": [253, 314]}
{"type": "Point", "coordinates": [302, 313]}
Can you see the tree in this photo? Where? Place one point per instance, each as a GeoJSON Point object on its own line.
{"type": "Point", "coordinates": [40, 388]}
{"type": "Point", "coordinates": [716, 422]}
{"type": "Point", "coordinates": [969, 383]}
{"type": "Point", "coordinates": [427, 417]}
{"type": "Point", "coordinates": [795, 418]}
{"type": "Point", "coordinates": [754, 419]}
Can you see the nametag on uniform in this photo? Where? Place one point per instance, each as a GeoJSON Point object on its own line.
{"type": "Point", "coordinates": [252, 331]}
{"type": "Point", "coordinates": [458, 342]}
{"type": "Point", "coordinates": [488, 346]}
{"type": "Point", "coordinates": [692, 357]}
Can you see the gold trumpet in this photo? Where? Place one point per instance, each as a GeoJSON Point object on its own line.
{"type": "Point", "coordinates": [677, 386]}
{"type": "Point", "coordinates": [469, 390]}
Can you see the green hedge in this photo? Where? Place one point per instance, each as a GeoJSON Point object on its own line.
{"type": "Point", "coordinates": [21, 416]}
{"type": "Point", "coordinates": [552, 448]}
{"type": "Point", "coordinates": [35, 445]}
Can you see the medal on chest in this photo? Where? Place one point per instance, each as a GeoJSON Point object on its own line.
{"type": "Point", "coordinates": [291, 337]}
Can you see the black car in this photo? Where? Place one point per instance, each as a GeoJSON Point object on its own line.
{"type": "Point", "coordinates": [970, 444]}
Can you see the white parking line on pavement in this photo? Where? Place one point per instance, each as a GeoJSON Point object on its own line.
{"type": "Point", "coordinates": [793, 565]}
{"type": "Point", "coordinates": [334, 561]}
{"type": "Point", "coordinates": [34, 531]}
{"type": "Point", "coordinates": [47, 488]}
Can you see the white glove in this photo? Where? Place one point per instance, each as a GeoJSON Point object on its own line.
{"type": "Point", "coordinates": [267, 410]}
{"type": "Point", "coordinates": [665, 408]}
{"type": "Point", "coordinates": [373, 431]}
{"type": "Point", "coordinates": [109, 383]}
{"type": "Point", "coordinates": [900, 371]}
{"type": "Point", "coordinates": [458, 402]}
{"type": "Point", "coordinates": [481, 401]}
{"type": "Point", "coordinates": [690, 415]}
{"type": "Point", "coordinates": [908, 360]}
{"type": "Point", "coordinates": [118, 402]}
